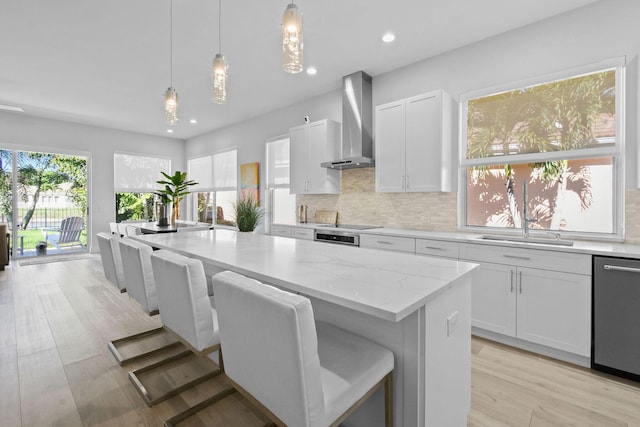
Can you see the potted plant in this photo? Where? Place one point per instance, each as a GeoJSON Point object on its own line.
{"type": "Point", "coordinates": [248, 213]}
{"type": "Point", "coordinates": [41, 248]}
{"type": "Point", "coordinates": [175, 188]}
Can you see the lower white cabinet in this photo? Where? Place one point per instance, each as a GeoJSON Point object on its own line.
{"type": "Point", "coordinates": [280, 230]}
{"type": "Point", "coordinates": [388, 243]}
{"type": "Point", "coordinates": [292, 231]}
{"type": "Point", "coordinates": [302, 233]}
{"type": "Point", "coordinates": [547, 307]}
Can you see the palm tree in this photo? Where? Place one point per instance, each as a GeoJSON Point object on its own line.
{"type": "Point", "coordinates": [557, 116]}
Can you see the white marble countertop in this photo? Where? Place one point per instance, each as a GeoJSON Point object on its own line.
{"type": "Point", "coordinates": [383, 284]}
{"type": "Point", "coordinates": [613, 249]}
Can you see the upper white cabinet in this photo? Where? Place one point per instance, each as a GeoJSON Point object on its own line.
{"type": "Point", "coordinates": [414, 144]}
{"type": "Point", "coordinates": [310, 145]}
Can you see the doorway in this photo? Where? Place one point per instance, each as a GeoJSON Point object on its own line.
{"type": "Point", "coordinates": [43, 199]}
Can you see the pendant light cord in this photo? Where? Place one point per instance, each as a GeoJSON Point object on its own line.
{"type": "Point", "coordinates": [171, 43]}
{"type": "Point", "coordinates": [219, 26]}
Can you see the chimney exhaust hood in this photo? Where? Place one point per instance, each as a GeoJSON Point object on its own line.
{"type": "Point", "coordinates": [357, 123]}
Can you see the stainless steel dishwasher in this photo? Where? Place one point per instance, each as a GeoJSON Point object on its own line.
{"type": "Point", "coordinates": [616, 316]}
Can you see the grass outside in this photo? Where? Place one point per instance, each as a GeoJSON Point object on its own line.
{"type": "Point", "coordinates": [31, 237]}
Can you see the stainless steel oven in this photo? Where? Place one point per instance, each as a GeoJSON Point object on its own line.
{"type": "Point", "coordinates": [342, 234]}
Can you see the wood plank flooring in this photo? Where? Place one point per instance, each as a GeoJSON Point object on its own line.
{"type": "Point", "coordinates": [56, 370]}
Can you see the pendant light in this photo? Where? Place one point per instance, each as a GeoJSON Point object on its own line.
{"type": "Point", "coordinates": [171, 96]}
{"type": "Point", "coordinates": [219, 71]}
{"type": "Point", "coordinates": [292, 40]}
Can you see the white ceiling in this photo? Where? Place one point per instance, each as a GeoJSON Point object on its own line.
{"type": "Point", "coordinates": [106, 63]}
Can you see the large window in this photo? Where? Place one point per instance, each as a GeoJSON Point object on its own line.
{"type": "Point", "coordinates": [225, 185]}
{"type": "Point", "coordinates": [562, 136]}
{"type": "Point", "coordinates": [281, 204]}
{"type": "Point", "coordinates": [201, 171]}
{"type": "Point", "coordinates": [135, 181]}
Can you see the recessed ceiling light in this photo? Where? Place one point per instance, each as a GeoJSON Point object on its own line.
{"type": "Point", "coordinates": [193, 121]}
{"type": "Point", "coordinates": [169, 130]}
{"type": "Point", "coordinates": [388, 37]}
{"type": "Point", "coordinates": [312, 71]}
{"type": "Point", "coordinates": [11, 108]}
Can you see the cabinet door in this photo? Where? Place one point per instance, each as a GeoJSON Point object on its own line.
{"type": "Point", "coordinates": [390, 147]}
{"type": "Point", "coordinates": [554, 309]}
{"type": "Point", "coordinates": [493, 298]}
{"type": "Point", "coordinates": [424, 166]}
{"type": "Point", "coordinates": [322, 138]}
{"type": "Point", "coordinates": [299, 154]}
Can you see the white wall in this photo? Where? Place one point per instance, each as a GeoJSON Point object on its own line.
{"type": "Point", "coordinates": [249, 137]}
{"type": "Point", "coordinates": [32, 133]}
{"type": "Point", "coordinates": [603, 30]}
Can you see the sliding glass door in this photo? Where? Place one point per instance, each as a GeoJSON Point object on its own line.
{"type": "Point", "coordinates": [43, 198]}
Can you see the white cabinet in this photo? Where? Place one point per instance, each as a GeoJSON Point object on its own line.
{"type": "Point", "coordinates": [542, 297]}
{"type": "Point", "coordinates": [437, 248]}
{"type": "Point", "coordinates": [292, 231]}
{"type": "Point", "coordinates": [388, 243]}
{"type": "Point", "coordinates": [414, 144]}
{"type": "Point", "coordinates": [302, 233]}
{"type": "Point", "coordinates": [310, 145]}
{"type": "Point", "coordinates": [280, 230]}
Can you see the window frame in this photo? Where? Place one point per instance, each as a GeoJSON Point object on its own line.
{"type": "Point", "coordinates": [271, 187]}
{"type": "Point", "coordinates": [616, 152]}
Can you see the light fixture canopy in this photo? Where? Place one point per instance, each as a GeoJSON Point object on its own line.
{"type": "Point", "coordinates": [219, 70]}
{"type": "Point", "coordinates": [171, 106]}
{"type": "Point", "coordinates": [292, 44]}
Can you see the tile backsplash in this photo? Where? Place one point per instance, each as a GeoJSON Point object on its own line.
{"type": "Point", "coordinates": [360, 204]}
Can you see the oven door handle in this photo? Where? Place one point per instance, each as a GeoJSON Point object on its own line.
{"type": "Point", "coordinates": [621, 268]}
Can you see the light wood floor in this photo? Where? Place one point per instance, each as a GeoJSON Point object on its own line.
{"type": "Point", "coordinates": [56, 370]}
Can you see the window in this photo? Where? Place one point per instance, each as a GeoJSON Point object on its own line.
{"type": "Point", "coordinates": [217, 186]}
{"type": "Point", "coordinates": [135, 180]}
{"type": "Point", "coordinates": [201, 171]}
{"type": "Point", "coordinates": [562, 135]}
{"type": "Point", "coordinates": [281, 204]}
{"type": "Point", "coordinates": [225, 185]}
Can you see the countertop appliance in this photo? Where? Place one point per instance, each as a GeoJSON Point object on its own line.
{"type": "Point", "coordinates": [616, 316]}
{"type": "Point", "coordinates": [340, 233]}
{"type": "Point", "coordinates": [303, 211]}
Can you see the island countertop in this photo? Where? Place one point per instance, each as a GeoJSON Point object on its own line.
{"type": "Point", "coordinates": [383, 284]}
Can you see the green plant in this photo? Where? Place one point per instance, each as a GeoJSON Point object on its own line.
{"type": "Point", "coordinates": [175, 188]}
{"type": "Point", "coordinates": [248, 213]}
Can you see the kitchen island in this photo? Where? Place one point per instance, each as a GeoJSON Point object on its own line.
{"type": "Point", "coordinates": [418, 307]}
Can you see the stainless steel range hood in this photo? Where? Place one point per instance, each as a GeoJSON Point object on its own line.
{"type": "Point", "coordinates": [357, 123]}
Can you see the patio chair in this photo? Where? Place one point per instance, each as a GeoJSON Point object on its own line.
{"type": "Point", "coordinates": [68, 234]}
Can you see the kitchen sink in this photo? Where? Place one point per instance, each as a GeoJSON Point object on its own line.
{"type": "Point", "coordinates": [538, 241]}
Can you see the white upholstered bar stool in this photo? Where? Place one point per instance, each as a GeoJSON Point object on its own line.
{"type": "Point", "coordinates": [132, 230]}
{"type": "Point", "coordinates": [302, 373]}
{"type": "Point", "coordinates": [186, 310]}
{"type": "Point", "coordinates": [111, 260]}
{"type": "Point", "coordinates": [136, 264]}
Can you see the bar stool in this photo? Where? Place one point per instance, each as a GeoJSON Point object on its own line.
{"type": "Point", "coordinates": [186, 310]}
{"type": "Point", "coordinates": [136, 264]}
{"type": "Point", "coordinates": [132, 230]}
{"type": "Point", "coordinates": [299, 372]}
{"type": "Point", "coordinates": [111, 260]}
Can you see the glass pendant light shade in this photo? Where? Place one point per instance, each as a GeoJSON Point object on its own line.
{"type": "Point", "coordinates": [292, 40]}
{"type": "Point", "coordinates": [219, 77]}
{"type": "Point", "coordinates": [171, 106]}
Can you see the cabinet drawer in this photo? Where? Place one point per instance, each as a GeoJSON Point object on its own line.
{"type": "Point", "coordinates": [524, 257]}
{"type": "Point", "coordinates": [302, 233]}
{"type": "Point", "coordinates": [439, 248]}
{"type": "Point", "coordinates": [279, 230]}
{"type": "Point", "coordinates": [389, 243]}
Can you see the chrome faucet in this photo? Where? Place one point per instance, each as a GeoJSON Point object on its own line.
{"type": "Point", "coordinates": [525, 212]}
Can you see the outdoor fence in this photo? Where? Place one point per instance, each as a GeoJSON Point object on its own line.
{"type": "Point", "coordinates": [45, 217]}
